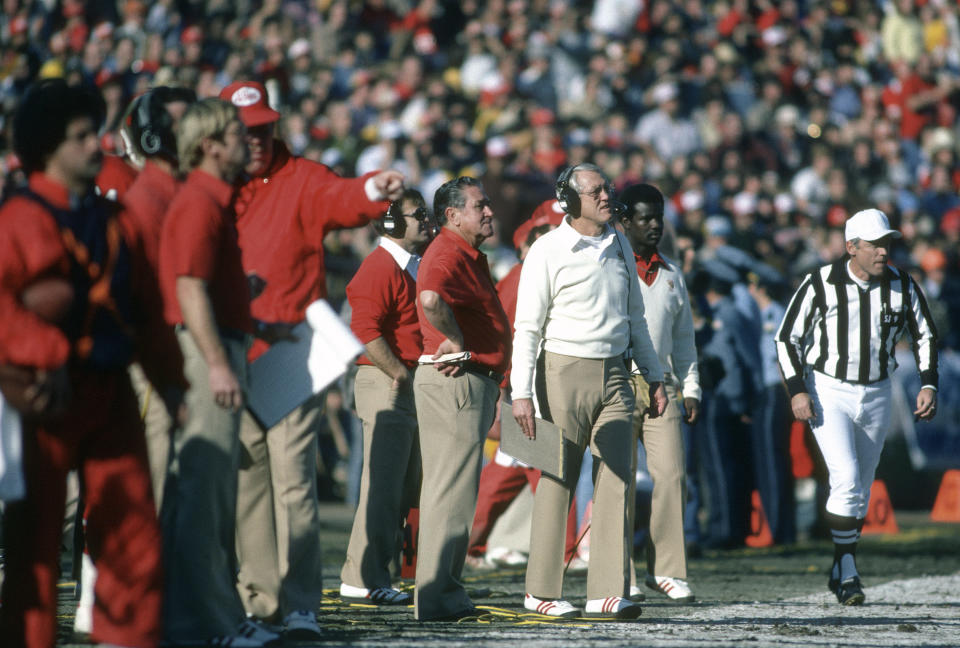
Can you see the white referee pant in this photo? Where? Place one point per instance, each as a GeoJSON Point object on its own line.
{"type": "Point", "coordinates": [850, 424]}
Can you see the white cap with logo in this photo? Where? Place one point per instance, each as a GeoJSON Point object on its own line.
{"type": "Point", "coordinates": [869, 225]}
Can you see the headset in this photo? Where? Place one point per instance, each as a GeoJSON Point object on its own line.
{"type": "Point", "coordinates": [569, 199]}
{"type": "Point", "coordinates": [151, 125]}
{"type": "Point", "coordinates": [567, 196]}
{"type": "Point", "coordinates": [394, 223]}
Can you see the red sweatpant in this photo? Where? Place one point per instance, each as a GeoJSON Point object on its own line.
{"type": "Point", "coordinates": [500, 485]}
{"type": "Point", "coordinates": [102, 436]}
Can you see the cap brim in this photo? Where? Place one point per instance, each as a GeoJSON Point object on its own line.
{"type": "Point", "coordinates": [877, 237]}
{"type": "Point", "coordinates": [258, 116]}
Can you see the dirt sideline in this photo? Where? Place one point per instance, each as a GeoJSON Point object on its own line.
{"type": "Point", "coordinates": [747, 597]}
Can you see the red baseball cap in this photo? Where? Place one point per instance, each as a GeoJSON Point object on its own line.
{"type": "Point", "coordinates": [548, 212]}
{"type": "Point", "coordinates": [250, 98]}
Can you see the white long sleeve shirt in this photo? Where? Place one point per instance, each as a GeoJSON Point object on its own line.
{"type": "Point", "coordinates": [577, 297]}
{"type": "Point", "coordinates": [670, 324]}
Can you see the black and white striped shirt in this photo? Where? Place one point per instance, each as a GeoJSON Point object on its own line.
{"type": "Point", "coordinates": [834, 326]}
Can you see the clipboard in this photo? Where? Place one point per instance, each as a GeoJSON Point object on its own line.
{"type": "Point", "coordinates": [547, 453]}
{"type": "Point", "coordinates": [290, 372]}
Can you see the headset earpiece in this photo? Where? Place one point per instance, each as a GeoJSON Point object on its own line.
{"type": "Point", "coordinates": [149, 140]}
{"type": "Point", "coordinates": [567, 196]}
{"type": "Point", "coordinates": [394, 225]}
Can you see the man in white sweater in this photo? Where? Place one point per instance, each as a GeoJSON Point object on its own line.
{"type": "Point", "coordinates": [579, 297]}
{"type": "Point", "coordinates": [670, 324]}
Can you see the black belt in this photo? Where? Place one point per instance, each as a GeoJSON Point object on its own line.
{"type": "Point", "coordinates": [227, 333]}
{"type": "Point", "coordinates": [483, 371]}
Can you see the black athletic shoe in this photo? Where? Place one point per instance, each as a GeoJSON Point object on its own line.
{"type": "Point", "coordinates": [850, 592]}
{"type": "Point", "coordinates": [833, 584]}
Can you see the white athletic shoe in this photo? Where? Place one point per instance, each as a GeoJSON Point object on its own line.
{"type": "Point", "coordinates": [553, 608]}
{"type": "Point", "coordinates": [615, 607]}
{"type": "Point", "coordinates": [376, 596]}
{"type": "Point", "coordinates": [301, 625]}
{"type": "Point", "coordinates": [675, 589]}
{"type": "Point", "coordinates": [504, 557]}
{"type": "Point", "coordinates": [83, 621]}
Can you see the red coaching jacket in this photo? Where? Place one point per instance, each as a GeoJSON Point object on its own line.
{"type": "Point", "coordinates": [282, 218]}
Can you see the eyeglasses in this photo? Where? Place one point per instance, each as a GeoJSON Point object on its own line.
{"type": "Point", "coordinates": [425, 217]}
{"type": "Point", "coordinates": [420, 214]}
{"type": "Point", "coordinates": [596, 191]}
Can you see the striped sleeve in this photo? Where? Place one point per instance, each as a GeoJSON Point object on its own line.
{"type": "Point", "coordinates": [793, 334]}
{"type": "Point", "coordinates": [924, 335]}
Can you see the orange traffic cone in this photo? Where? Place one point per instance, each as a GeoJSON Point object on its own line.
{"type": "Point", "coordinates": [880, 518]}
{"type": "Point", "coordinates": [946, 508]}
{"type": "Point", "coordinates": [760, 535]}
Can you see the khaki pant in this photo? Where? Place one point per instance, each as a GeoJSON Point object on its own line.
{"type": "Point", "coordinates": [199, 514]}
{"type": "Point", "coordinates": [663, 440]}
{"type": "Point", "coordinates": [454, 415]}
{"type": "Point", "coordinates": [391, 477]}
{"type": "Point", "coordinates": [278, 514]}
{"type": "Point", "coordinates": [158, 430]}
{"type": "Point", "coordinates": [592, 401]}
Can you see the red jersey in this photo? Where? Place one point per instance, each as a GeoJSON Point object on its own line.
{"type": "Point", "coordinates": [146, 201]}
{"type": "Point", "coordinates": [459, 273]}
{"type": "Point", "coordinates": [507, 290]}
{"type": "Point", "coordinates": [282, 219]}
{"type": "Point", "coordinates": [31, 248]}
{"type": "Point", "coordinates": [383, 298]}
{"type": "Point", "coordinates": [199, 239]}
{"type": "Point", "coordinates": [115, 178]}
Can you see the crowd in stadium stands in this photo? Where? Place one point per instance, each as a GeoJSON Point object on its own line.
{"type": "Point", "coordinates": [764, 123]}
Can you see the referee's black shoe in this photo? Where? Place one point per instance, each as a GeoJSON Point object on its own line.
{"type": "Point", "coordinates": [849, 592]}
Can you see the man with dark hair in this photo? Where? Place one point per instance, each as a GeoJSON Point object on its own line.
{"type": "Point", "coordinates": [285, 208]}
{"type": "Point", "coordinates": [58, 238]}
{"type": "Point", "coordinates": [151, 122]}
{"type": "Point", "coordinates": [504, 478]}
{"type": "Point", "coordinates": [579, 296]}
{"type": "Point", "coordinates": [382, 295]}
{"type": "Point", "coordinates": [459, 312]}
{"type": "Point", "coordinates": [670, 323]}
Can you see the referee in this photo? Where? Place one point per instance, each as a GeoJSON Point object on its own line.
{"type": "Point", "coordinates": [836, 351]}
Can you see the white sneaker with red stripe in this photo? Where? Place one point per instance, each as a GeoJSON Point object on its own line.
{"type": "Point", "coordinates": [548, 607]}
{"type": "Point", "coordinates": [675, 589]}
{"type": "Point", "coordinates": [615, 607]}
